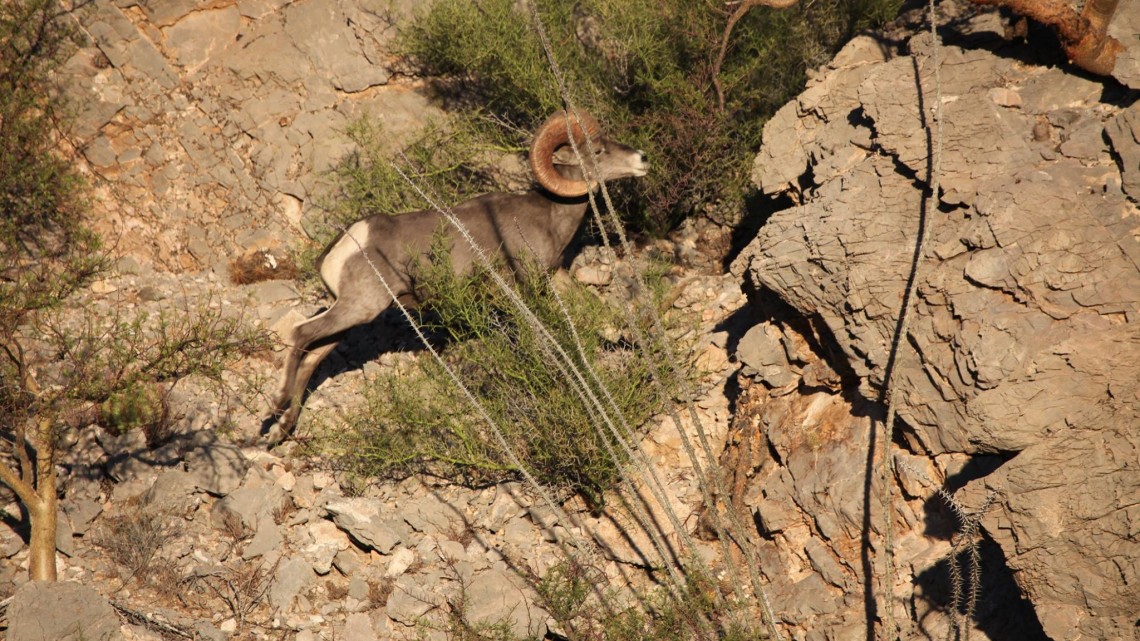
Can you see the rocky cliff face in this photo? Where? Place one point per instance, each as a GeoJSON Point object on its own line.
{"type": "Point", "coordinates": [1018, 379]}
{"type": "Point", "coordinates": [210, 125]}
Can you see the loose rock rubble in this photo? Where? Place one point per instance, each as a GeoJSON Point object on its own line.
{"type": "Point", "coordinates": [294, 552]}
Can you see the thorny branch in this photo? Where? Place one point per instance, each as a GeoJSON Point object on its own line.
{"type": "Point", "coordinates": [1084, 36]}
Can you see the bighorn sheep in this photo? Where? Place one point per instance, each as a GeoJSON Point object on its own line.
{"type": "Point", "coordinates": [540, 223]}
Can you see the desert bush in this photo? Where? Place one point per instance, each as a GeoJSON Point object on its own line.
{"type": "Point", "coordinates": [416, 420]}
{"type": "Point", "coordinates": [257, 266]}
{"type": "Point", "coordinates": [650, 72]}
{"type": "Point", "coordinates": [240, 586]}
{"type": "Point", "coordinates": [571, 592]}
{"type": "Point", "coordinates": [45, 251]}
{"type": "Point", "coordinates": [105, 355]}
{"type": "Point", "coordinates": [138, 406]}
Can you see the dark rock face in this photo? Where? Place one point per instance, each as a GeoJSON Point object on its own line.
{"type": "Point", "coordinates": [1026, 330]}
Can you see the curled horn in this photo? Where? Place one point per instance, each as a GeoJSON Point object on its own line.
{"type": "Point", "coordinates": [549, 137]}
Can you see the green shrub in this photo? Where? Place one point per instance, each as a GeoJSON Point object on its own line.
{"type": "Point", "coordinates": [571, 593]}
{"type": "Point", "coordinates": [417, 420]}
{"type": "Point", "coordinates": [45, 251]}
{"type": "Point", "coordinates": [647, 71]}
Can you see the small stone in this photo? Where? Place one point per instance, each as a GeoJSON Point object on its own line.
{"type": "Point", "coordinates": [432, 515]}
{"type": "Point", "coordinates": [494, 597]}
{"type": "Point", "coordinates": [217, 469]}
{"type": "Point", "coordinates": [100, 153]}
{"type": "Point", "coordinates": [103, 287]}
{"type": "Point", "coordinates": [327, 542]}
{"type": "Point", "coordinates": [452, 551]}
{"type": "Point", "coordinates": [1005, 97]}
{"type": "Point", "coordinates": [128, 265]}
{"type": "Point", "coordinates": [149, 293]}
{"type": "Point", "coordinates": [293, 576]}
{"type": "Point", "coordinates": [347, 561]}
{"type": "Point", "coordinates": [322, 479]}
{"type": "Point", "coordinates": [402, 559]}
{"type": "Point", "coordinates": [209, 632]}
{"type": "Point", "coordinates": [358, 627]}
{"type": "Point", "coordinates": [411, 599]}
{"type": "Point", "coordinates": [358, 588]}
{"type": "Point", "coordinates": [596, 275]}
{"type": "Point", "coordinates": [267, 537]}
{"type": "Point", "coordinates": [82, 512]}
{"type": "Point", "coordinates": [274, 292]}
{"type": "Point", "coordinates": [361, 519]}
{"type": "Point", "coordinates": [201, 34]}
{"type": "Point", "coordinates": [60, 611]}
{"type": "Point", "coordinates": [762, 350]}
{"type": "Point", "coordinates": [504, 507]}
{"type": "Point", "coordinates": [286, 481]}
{"type": "Point", "coordinates": [64, 535]}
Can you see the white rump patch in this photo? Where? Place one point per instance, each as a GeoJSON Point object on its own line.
{"type": "Point", "coordinates": [345, 248]}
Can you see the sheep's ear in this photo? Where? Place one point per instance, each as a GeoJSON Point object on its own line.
{"type": "Point", "coordinates": [564, 155]}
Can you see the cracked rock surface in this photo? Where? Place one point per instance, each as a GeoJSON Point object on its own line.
{"type": "Point", "coordinates": [1025, 334]}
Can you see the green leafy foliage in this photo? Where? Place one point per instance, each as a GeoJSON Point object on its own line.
{"type": "Point", "coordinates": [136, 407]}
{"type": "Point", "coordinates": [650, 72]}
{"type": "Point", "coordinates": [416, 420]}
{"type": "Point", "coordinates": [106, 355]}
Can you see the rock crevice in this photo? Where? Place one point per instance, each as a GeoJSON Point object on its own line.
{"type": "Point", "coordinates": [1026, 326]}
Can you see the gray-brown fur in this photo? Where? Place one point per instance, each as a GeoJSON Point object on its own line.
{"type": "Point", "coordinates": [537, 224]}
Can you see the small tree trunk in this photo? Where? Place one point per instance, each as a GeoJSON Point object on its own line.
{"type": "Point", "coordinates": [41, 546]}
{"type": "Point", "coordinates": [43, 512]}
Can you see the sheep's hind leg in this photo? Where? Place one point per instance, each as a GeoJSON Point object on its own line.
{"type": "Point", "coordinates": [302, 362]}
{"type": "Point", "coordinates": [289, 405]}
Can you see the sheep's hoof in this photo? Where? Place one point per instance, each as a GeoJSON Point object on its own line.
{"type": "Point", "coordinates": [274, 430]}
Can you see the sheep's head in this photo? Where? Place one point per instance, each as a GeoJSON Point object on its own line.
{"type": "Point", "coordinates": [607, 160]}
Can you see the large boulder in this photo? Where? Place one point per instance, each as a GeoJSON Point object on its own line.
{"type": "Point", "coordinates": [61, 611]}
{"type": "Point", "coordinates": [1025, 336]}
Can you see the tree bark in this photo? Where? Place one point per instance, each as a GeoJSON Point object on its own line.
{"type": "Point", "coordinates": [43, 515]}
{"type": "Point", "coordinates": [35, 487]}
{"type": "Point", "coordinates": [1084, 36]}
{"type": "Point", "coordinates": [41, 546]}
